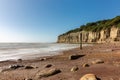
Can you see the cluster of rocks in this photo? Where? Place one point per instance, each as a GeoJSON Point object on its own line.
{"type": "Point", "coordinates": [91, 76]}
{"type": "Point", "coordinates": [87, 76]}
{"type": "Point", "coordinates": [48, 71]}
{"type": "Point", "coordinates": [96, 61]}
{"type": "Point", "coordinates": [16, 66]}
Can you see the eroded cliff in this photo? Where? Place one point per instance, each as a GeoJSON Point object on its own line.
{"type": "Point", "coordinates": [107, 35]}
{"type": "Point", "coordinates": [95, 32]}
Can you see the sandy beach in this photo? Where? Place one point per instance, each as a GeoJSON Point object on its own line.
{"type": "Point", "coordinates": [30, 69]}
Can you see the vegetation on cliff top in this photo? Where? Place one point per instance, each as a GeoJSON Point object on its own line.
{"type": "Point", "coordinates": [98, 25]}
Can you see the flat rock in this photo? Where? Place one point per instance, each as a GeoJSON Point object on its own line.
{"type": "Point", "coordinates": [98, 61]}
{"type": "Point", "coordinates": [47, 73]}
{"type": "Point", "coordinates": [89, 77]}
{"type": "Point", "coordinates": [29, 67]}
{"type": "Point", "coordinates": [48, 66]}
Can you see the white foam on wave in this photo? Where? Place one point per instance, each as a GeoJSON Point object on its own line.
{"type": "Point", "coordinates": [28, 51]}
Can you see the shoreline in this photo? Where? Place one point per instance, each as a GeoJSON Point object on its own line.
{"type": "Point", "coordinates": [109, 53]}
{"type": "Point", "coordinates": [16, 51]}
{"type": "Point", "coordinates": [58, 52]}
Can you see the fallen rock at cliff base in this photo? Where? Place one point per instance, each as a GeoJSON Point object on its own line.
{"type": "Point", "coordinates": [89, 77]}
{"type": "Point", "coordinates": [47, 73]}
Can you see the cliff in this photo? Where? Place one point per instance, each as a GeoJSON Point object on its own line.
{"type": "Point", "coordinates": [109, 33]}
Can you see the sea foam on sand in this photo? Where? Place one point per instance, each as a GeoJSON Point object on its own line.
{"type": "Point", "coordinates": [11, 51]}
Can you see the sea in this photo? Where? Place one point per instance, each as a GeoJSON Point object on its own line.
{"type": "Point", "coordinates": [14, 51]}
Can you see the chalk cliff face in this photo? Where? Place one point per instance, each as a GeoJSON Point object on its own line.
{"type": "Point", "coordinates": [108, 35]}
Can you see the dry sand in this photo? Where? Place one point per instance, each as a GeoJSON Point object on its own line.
{"type": "Point", "coordinates": [109, 70]}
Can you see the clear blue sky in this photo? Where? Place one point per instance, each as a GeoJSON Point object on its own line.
{"type": "Point", "coordinates": [44, 20]}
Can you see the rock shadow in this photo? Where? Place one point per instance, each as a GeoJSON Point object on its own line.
{"type": "Point", "coordinates": [98, 79]}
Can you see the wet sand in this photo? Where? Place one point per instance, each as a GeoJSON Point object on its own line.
{"type": "Point", "coordinates": [109, 70]}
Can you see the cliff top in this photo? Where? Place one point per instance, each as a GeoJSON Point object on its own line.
{"type": "Point", "coordinates": [97, 26]}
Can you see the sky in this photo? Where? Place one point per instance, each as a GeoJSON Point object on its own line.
{"type": "Point", "coordinates": [44, 20]}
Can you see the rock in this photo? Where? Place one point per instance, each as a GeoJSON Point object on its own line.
{"type": "Point", "coordinates": [48, 65]}
{"type": "Point", "coordinates": [75, 68]}
{"type": "Point", "coordinates": [11, 67]}
{"type": "Point", "coordinates": [28, 79]}
{"type": "Point", "coordinates": [86, 65]}
{"type": "Point", "coordinates": [47, 73]}
{"type": "Point", "coordinates": [29, 67]}
{"type": "Point", "coordinates": [98, 61]}
{"type": "Point", "coordinates": [43, 59]}
{"type": "Point", "coordinates": [74, 56]}
{"type": "Point", "coordinates": [89, 77]}
{"type": "Point", "coordinates": [36, 67]}
{"type": "Point", "coordinates": [15, 66]}
{"type": "Point", "coordinates": [19, 60]}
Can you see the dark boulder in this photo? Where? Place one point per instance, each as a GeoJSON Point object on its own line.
{"type": "Point", "coordinates": [75, 56]}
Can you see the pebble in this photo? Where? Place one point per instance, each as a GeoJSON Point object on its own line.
{"type": "Point", "coordinates": [73, 69]}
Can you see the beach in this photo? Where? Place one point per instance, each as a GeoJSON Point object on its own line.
{"type": "Point", "coordinates": [108, 69]}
